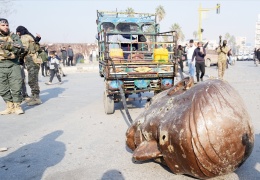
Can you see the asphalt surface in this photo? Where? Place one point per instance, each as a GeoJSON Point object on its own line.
{"type": "Point", "coordinates": [70, 137]}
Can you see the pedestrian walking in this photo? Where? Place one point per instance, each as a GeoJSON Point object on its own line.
{"type": "Point", "coordinates": [191, 64]}
{"type": "Point", "coordinates": [199, 56]}
{"type": "Point", "coordinates": [229, 57]}
{"type": "Point", "coordinates": [64, 56]}
{"type": "Point", "coordinates": [61, 72]}
{"type": "Point", "coordinates": [181, 57]}
{"type": "Point", "coordinates": [70, 53]}
{"type": "Point", "coordinates": [54, 68]}
{"type": "Point", "coordinates": [44, 56]}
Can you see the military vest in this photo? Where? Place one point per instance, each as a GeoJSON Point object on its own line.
{"type": "Point", "coordinates": [30, 45]}
{"type": "Point", "coordinates": [5, 54]}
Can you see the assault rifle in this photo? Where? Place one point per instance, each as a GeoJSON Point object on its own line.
{"type": "Point", "coordinates": [14, 47]}
{"type": "Point", "coordinates": [220, 39]}
{"type": "Point", "coordinates": [8, 45]}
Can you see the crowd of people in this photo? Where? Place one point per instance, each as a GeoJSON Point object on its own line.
{"type": "Point", "coordinates": [195, 56]}
{"type": "Point", "coordinates": [20, 51]}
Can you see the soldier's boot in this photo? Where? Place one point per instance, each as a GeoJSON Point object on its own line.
{"type": "Point", "coordinates": [35, 101]}
{"type": "Point", "coordinates": [18, 109]}
{"type": "Point", "coordinates": [29, 98]}
{"type": "Point", "coordinates": [26, 98]}
{"type": "Point", "coordinates": [9, 108]}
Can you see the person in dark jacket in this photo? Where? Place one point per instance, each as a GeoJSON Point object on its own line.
{"type": "Point", "coordinates": [71, 55]}
{"type": "Point", "coordinates": [64, 56]}
{"type": "Point", "coordinates": [181, 56]}
{"type": "Point", "coordinates": [199, 56]}
{"type": "Point", "coordinates": [44, 57]}
{"type": "Point", "coordinates": [258, 54]}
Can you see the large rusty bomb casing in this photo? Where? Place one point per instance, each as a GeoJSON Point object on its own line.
{"type": "Point", "coordinates": [203, 130]}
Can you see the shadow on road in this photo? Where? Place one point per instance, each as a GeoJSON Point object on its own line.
{"type": "Point", "coordinates": [30, 161]}
{"type": "Point", "coordinates": [248, 169]}
{"type": "Point", "coordinates": [45, 95]}
{"type": "Point", "coordinates": [51, 93]}
{"type": "Point", "coordinates": [132, 105]}
{"type": "Point", "coordinates": [112, 174]}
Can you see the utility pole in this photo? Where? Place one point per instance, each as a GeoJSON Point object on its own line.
{"type": "Point", "coordinates": [201, 10]}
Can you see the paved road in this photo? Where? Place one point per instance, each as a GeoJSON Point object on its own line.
{"type": "Point", "coordinates": [69, 136]}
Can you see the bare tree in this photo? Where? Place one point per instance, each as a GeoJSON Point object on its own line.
{"type": "Point", "coordinates": [6, 8]}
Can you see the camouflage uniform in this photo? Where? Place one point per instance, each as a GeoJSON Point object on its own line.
{"type": "Point", "coordinates": [222, 60]}
{"type": "Point", "coordinates": [10, 73]}
{"type": "Point", "coordinates": [33, 67]}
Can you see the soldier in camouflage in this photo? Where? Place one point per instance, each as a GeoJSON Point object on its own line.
{"type": "Point", "coordinates": [32, 62]}
{"type": "Point", "coordinates": [10, 71]}
{"type": "Point", "coordinates": [222, 59]}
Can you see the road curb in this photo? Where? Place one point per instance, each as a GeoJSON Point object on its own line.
{"type": "Point", "coordinates": [75, 69]}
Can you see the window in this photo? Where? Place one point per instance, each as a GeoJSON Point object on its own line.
{"type": "Point", "coordinates": [127, 27]}
{"type": "Point", "coordinates": [148, 28]}
{"type": "Point", "coordinates": [106, 25]}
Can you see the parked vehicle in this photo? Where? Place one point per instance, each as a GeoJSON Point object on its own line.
{"type": "Point", "coordinates": [251, 56]}
{"type": "Point", "coordinates": [211, 58]}
{"type": "Point", "coordinates": [245, 57]}
{"type": "Point", "coordinates": [240, 57]}
{"type": "Point", "coordinates": [143, 66]}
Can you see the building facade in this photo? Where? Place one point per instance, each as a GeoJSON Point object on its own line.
{"type": "Point", "coordinates": [257, 32]}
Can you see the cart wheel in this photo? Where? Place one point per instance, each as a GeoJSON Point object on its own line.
{"type": "Point", "coordinates": [109, 104]}
{"type": "Point", "coordinates": [208, 62]}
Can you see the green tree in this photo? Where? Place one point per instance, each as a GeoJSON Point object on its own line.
{"type": "Point", "coordinates": [231, 41]}
{"type": "Point", "coordinates": [160, 12]}
{"type": "Point", "coordinates": [130, 12]}
{"type": "Point", "coordinates": [176, 27]}
{"type": "Point", "coordinates": [148, 28]}
{"type": "Point", "coordinates": [195, 34]}
{"type": "Point", "coordinates": [227, 36]}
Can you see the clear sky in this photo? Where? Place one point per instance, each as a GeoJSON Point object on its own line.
{"type": "Point", "coordinates": [73, 21]}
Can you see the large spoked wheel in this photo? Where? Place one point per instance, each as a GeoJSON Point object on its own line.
{"type": "Point", "coordinates": [109, 104]}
